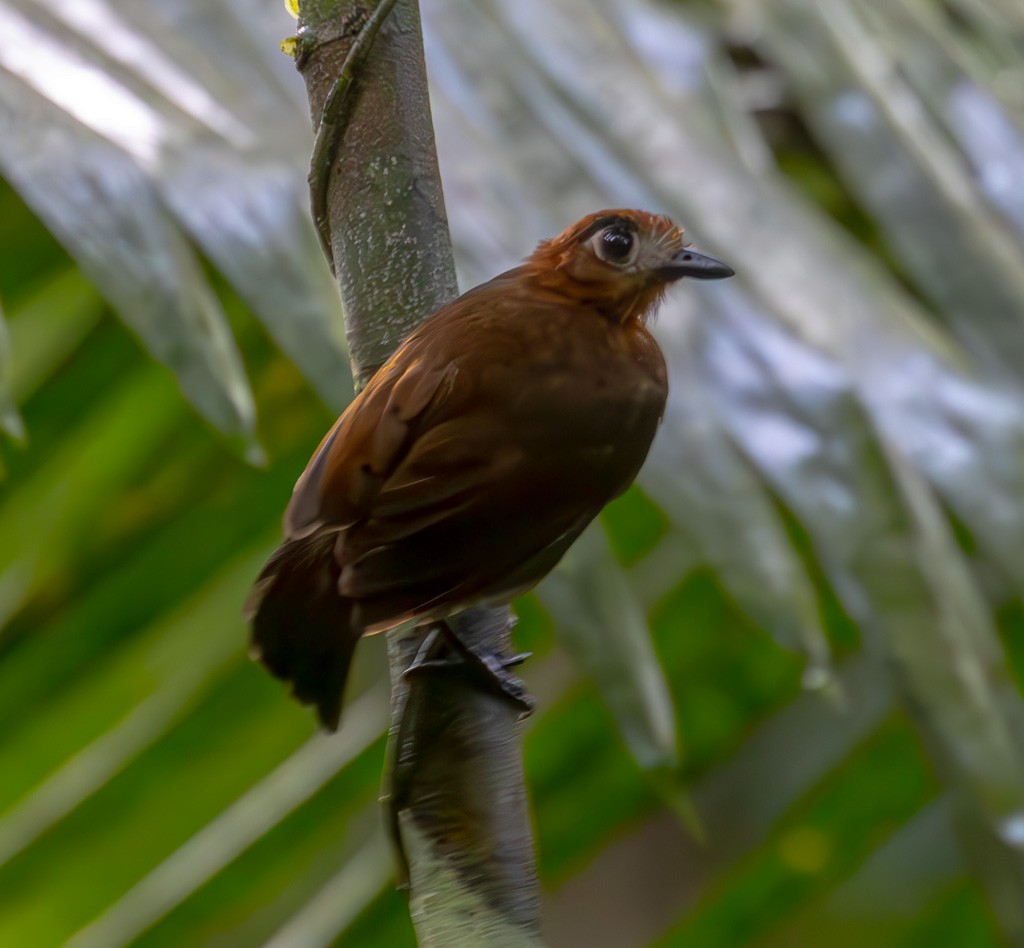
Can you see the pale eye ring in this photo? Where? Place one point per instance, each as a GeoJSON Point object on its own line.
{"type": "Point", "coordinates": [616, 245]}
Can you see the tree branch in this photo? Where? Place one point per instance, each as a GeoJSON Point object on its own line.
{"type": "Point", "coordinates": [458, 801]}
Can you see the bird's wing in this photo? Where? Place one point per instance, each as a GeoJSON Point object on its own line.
{"type": "Point", "coordinates": [369, 441]}
{"type": "Point", "coordinates": [459, 466]}
{"type": "Point", "coordinates": [461, 520]}
{"type": "Point", "coordinates": [479, 507]}
{"type": "Point", "coordinates": [365, 445]}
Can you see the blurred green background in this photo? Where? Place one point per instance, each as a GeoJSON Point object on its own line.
{"type": "Point", "coordinates": [779, 686]}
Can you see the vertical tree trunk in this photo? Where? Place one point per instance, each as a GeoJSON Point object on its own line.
{"type": "Point", "coordinates": [457, 797]}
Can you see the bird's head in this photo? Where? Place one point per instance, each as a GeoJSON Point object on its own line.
{"type": "Point", "coordinates": [620, 262]}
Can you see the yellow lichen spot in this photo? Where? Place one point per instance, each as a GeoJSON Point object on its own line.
{"type": "Point", "coordinates": [289, 45]}
{"type": "Point", "coordinates": [292, 6]}
{"type": "Point", "coordinates": [805, 849]}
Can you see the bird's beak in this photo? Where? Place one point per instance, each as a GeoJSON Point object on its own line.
{"type": "Point", "coordinates": [689, 263]}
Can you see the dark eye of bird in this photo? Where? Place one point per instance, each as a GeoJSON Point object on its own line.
{"type": "Point", "coordinates": [616, 244]}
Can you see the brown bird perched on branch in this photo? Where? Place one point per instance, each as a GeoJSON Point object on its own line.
{"type": "Point", "coordinates": [474, 458]}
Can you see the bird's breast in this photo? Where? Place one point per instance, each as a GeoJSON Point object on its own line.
{"type": "Point", "coordinates": [581, 387]}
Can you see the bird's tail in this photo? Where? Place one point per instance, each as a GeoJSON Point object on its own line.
{"type": "Point", "coordinates": [301, 627]}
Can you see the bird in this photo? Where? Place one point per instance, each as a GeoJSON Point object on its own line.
{"type": "Point", "coordinates": [477, 454]}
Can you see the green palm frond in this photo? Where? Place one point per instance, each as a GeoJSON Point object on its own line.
{"type": "Point", "coordinates": [806, 617]}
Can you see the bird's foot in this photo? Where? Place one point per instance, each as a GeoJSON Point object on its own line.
{"type": "Point", "coordinates": [487, 668]}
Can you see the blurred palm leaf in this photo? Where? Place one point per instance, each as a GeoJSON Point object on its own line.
{"type": "Point", "coordinates": [125, 136]}
{"type": "Point", "coordinates": [10, 420]}
{"type": "Point", "coordinates": [840, 467]}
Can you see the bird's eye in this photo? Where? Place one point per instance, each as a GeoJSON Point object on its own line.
{"type": "Point", "coordinates": [616, 245]}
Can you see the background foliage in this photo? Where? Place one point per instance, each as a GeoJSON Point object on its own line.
{"type": "Point", "coordinates": [784, 702]}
